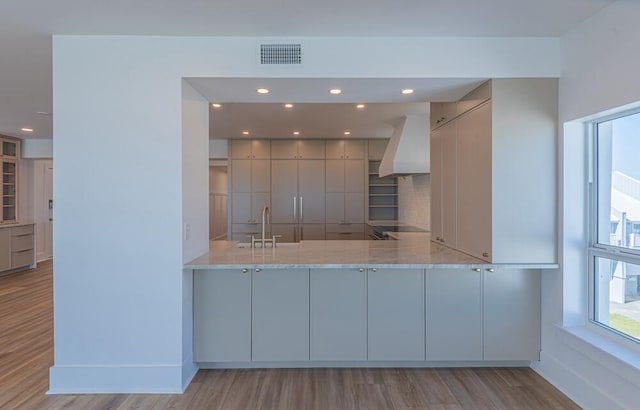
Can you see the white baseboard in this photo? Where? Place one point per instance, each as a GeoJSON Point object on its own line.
{"type": "Point", "coordinates": [358, 364]}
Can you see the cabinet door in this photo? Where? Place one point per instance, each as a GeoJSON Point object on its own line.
{"type": "Point", "coordinates": [396, 314]}
{"type": "Point", "coordinates": [354, 175]}
{"type": "Point", "coordinates": [258, 201]}
{"type": "Point", "coordinates": [334, 210]}
{"type": "Point", "coordinates": [241, 175]}
{"type": "Point", "coordinates": [222, 316]}
{"type": "Point", "coordinates": [511, 314]}
{"type": "Point", "coordinates": [311, 149]}
{"type": "Point", "coordinates": [311, 174]}
{"type": "Point", "coordinates": [241, 208]}
{"type": "Point", "coordinates": [5, 249]}
{"type": "Point", "coordinates": [288, 232]}
{"type": "Point", "coordinates": [312, 232]}
{"type": "Point", "coordinates": [377, 148]}
{"type": "Point", "coordinates": [280, 315]}
{"type": "Point", "coordinates": [436, 182]}
{"type": "Point", "coordinates": [284, 191]}
{"type": "Point", "coordinates": [354, 149]}
{"type": "Point", "coordinates": [474, 182]}
{"type": "Point", "coordinates": [335, 149]}
{"type": "Point", "coordinates": [454, 314]}
{"type": "Point", "coordinates": [338, 314]}
{"type": "Point", "coordinates": [260, 175]}
{"type": "Point", "coordinates": [284, 149]}
{"type": "Point", "coordinates": [240, 149]}
{"type": "Point", "coordinates": [449, 206]}
{"type": "Point", "coordinates": [354, 207]}
{"type": "Point", "coordinates": [260, 149]}
{"type": "Point", "coordinates": [335, 175]}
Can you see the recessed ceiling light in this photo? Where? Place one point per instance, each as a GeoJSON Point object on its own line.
{"type": "Point", "coordinates": [347, 133]}
{"type": "Point", "coordinates": [216, 105]}
{"type": "Point", "coordinates": [360, 106]}
{"type": "Point", "coordinates": [262, 91]}
{"type": "Point", "coordinates": [296, 132]}
{"type": "Point", "coordinates": [43, 113]}
{"type": "Point", "coordinates": [335, 91]}
{"type": "Point", "coordinates": [26, 129]}
{"type": "Point", "coordinates": [407, 91]}
{"type": "Point", "coordinates": [245, 132]}
{"type": "Point", "coordinates": [288, 106]}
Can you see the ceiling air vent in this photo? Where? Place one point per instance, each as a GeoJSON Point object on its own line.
{"type": "Point", "coordinates": [280, 54]}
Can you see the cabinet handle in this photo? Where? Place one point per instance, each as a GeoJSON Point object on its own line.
{"type": "Point", "coordinates": [258, 270]}
{"type": "Point", "coordinates": [301, 217]}
{"type": "Point", "coordinates": [491, 270]}
{"type": "Point", "coordinates": [374, 270]}
{"type": "Point", "coordinates": [295, 209]}
{"type": "Point", "coordinates": [442, 239]}
{"type": "Point", "coordinates": [485, 254]}
{"type": "Point", "coordinates": [245, 270]}
{"type": "Point", "coordinates": [361, 270]}
{"type": "Point", "coordinates": [477, 270]}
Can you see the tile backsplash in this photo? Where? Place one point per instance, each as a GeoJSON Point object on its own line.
{"type": "Point", "coordinates": [414, 200]}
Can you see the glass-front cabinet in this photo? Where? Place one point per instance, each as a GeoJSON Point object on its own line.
{"type": "Point", "coordinates": [9, 162]}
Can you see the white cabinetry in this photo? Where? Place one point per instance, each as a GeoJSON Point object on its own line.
{"type": "Point", "coordinates": [499, 153]}
{"type": "Point", "coordinates": [9, 157]}
{"type": "Point", "coordinates": [222, 315]}
{"type": "Point", "coordinates": [338, 312]}
{"type": "Point", "coordinates": [280, 312]}
{"type": "Point", "coordinates": [250, 149]}
{"type": "Point", "coordinates": [297, 149]}
{"type": "Point", "coordinates": [396, 314]}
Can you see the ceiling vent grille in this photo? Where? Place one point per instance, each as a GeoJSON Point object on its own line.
{"type": "Point", "coordinates": [280, 54]}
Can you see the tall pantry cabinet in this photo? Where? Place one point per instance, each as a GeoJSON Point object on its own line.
{"type": "Point", "coordinates": [496, 152]}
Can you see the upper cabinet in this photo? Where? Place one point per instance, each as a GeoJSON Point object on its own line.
{"type": "Point", "coordinates": [494, 183]}
{"type": "Point", "coordinates": [377, 148]}
{"type": "Point", "coordinates": [442, 113]}
{"type": "Point", "coordinates": [250, 149]}
{"type": "Point", "coordinates": [345, 149]}
{"type": "Point", "coordinates": [9, 157]}
{"type": "Point", "coordinates": [297, 149]}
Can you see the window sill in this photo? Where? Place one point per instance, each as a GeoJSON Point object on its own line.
{"type": "Point", "coordinates": [604, 349]}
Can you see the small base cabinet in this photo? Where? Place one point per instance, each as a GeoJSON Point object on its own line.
{"type": "Point", "coordinates": [396, 314]}
{"type": "Point", "coordinates": [338, 314]}
{"type": "Point", "coordinates": [280, 315]}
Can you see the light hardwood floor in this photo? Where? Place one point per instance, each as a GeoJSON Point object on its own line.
{"type": "Point", "coordinates": [26, 353]}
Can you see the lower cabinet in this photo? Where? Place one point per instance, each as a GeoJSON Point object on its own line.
{"type": "Point", "coordinates": [280, 315]}
{"type": "Point", "coordinates": [511, 306]}
{"type": "Point", "coordinates": [454, 314]}
{"type": "Point", "coordinates": [338, 313]}
{"type": "Point", "coordinates": [396, 314]}
{"type": "Point", "coordinates": [222, 315]}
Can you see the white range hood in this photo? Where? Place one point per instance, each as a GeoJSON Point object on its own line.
{"type": "Point", "coordinates": [408, 150]}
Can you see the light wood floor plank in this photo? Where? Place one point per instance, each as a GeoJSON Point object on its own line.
{"type": "Point", "coordinates": [26, 353]}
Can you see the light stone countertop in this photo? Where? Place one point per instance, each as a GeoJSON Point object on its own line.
{"type": "Point", "coordinates": [411, 251]}
{"type": "Point", "coordinates": [12, 225]}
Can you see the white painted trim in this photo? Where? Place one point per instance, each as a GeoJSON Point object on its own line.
{"type": "Point", "coordinates": [360, 364]}
{"type": "Point", "coordinates": [189, 371]}
{"type": "Point", "coordinates": [167, 379]}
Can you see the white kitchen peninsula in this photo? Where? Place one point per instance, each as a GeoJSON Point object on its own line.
{"type": "Point", "coordinates": [407, 302]}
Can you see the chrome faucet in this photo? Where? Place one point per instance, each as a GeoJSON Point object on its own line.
{"type": "Point", "coordinates": [263, 241]}
{"type": "Point", "coordinates": [265, 216]}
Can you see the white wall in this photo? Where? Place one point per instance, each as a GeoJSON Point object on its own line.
{"type": "Point", "coordinates": [414, 200]}
{"type": "Point", "coordinates": [120, 292]}
{"type": "Point", "coordinates": [37, 148]}
{"type": "Point", "coordinates": [600, 72]}
{"type": "Point", "coordinates": [218, 149]}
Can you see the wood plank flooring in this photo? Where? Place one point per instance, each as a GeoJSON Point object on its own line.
{"type": "Point", "coordinates": [26, 353]}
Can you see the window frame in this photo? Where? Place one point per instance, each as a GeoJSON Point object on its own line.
{"type": "Point", "coordinates": [600, 250]}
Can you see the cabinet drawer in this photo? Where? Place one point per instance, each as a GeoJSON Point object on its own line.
{"type": "Point", "coordinates": [247, 228]}
{"type": "Point", "coordinates": [337, 228]}
{"type": "Point", "coordinates": [22, 230]}
{"type": "Point", "coordinates": [21, 243]}
{"type": "Point", "coordinates": [21, 258]}
{"type": "Point", "coordinates": [344, 236]}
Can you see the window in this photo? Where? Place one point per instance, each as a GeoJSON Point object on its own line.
{"type": "Point", "coordinates": [615, 249]}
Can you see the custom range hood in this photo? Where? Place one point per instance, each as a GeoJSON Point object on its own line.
{"type": "Point", "coordinates": [408, 150]}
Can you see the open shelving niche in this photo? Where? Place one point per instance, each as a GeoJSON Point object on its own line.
{"type": "Point", "coordinates": [383, 195]}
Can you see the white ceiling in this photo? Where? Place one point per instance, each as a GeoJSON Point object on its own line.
{"type": "Point", "coordinates": [26, 27]}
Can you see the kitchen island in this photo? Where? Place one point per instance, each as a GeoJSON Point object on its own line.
{"type": "Point", "coordinates": [405, 302]}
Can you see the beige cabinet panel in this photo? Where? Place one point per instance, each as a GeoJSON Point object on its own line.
{"type": "Point", "coordinates": [377, 148]}
{"type": "Point", "coordinates": [335, 149]}
{"type": "Point", "coordinates": [312, 232]}
{"type": "Point", "coordinates": [240, 149]}
{"type": "Point", "coordinates": [436, 181]}
{"type": "Point", "coordinates": [354, 149]}
{"type": "Point", "coordinates": [258, 201]}
{"type": "Point", "coordinates": [354, 207]}
{"type": "Point", "coordinates": [311, 149]}
{"type": "Point", "coordinates": [284, 149]}
{"type": "Point", "coordinates": [260, 149]}
{"type": "Point", "coordinates": [354, 175]}
{"type": "Point", "coordinates": [449, 184]}
{"type": "Point", "coordinates": [287, 232]}
{"type": "Point", "coordinates": [311, 190]}
{"type": "Point", "coordinates": [334, 209]}
{"type": "Point", "coordinates": [241, 175]}
{"type": "Point", "coordinates": [345, 227]}
{"type": "Point", "coordinates": [284, 191]}
{"type": "Point", "coordinates": [335, 174]}
{"type": "Point", "coordinates": [345, 236]}
{"type": "Point", "coordinates": [260, 175]}
{"type": "Point", "coordinates": [5, 249]}
{"type": "Point", "coordinates": [241, 211]}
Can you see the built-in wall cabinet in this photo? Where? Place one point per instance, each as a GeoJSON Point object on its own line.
{"type": "Point", "coordinates": [9, 163]}
{"type": "Point", "coordinates": [315, 189]}
{"type": "Point", "coordinates": [17, 247]}
{"type": "Point", "coordinates": [492, 171]}
{"type": "Point", "coordinates": [366, 314]}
